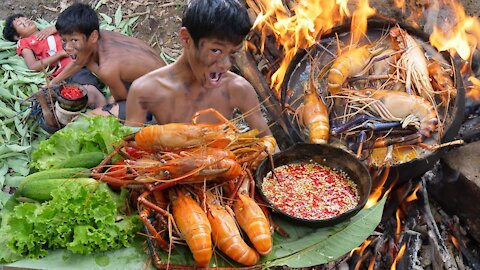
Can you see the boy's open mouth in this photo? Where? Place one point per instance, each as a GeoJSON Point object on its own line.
{"type": "Point", "coordinates": [215, 77]}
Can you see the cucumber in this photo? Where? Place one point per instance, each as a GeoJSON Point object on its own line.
{"type": "Point", "coordinates": [57, 173]}
{"type": "Point", "coordinates": [41, 189]}
{"type": "Point", "coordinates": [85, 160]}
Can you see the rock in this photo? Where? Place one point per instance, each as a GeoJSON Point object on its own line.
{"type": "Point", "coordinates": [458, 192]}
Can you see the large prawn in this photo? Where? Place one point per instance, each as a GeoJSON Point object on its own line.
{"type": "Point", "coordinates": [225, 233]}
{"type": "Point", "coordinates": [185, 135]}
{"type": "Point", "coordinates": [194, 226]}
{"type": "Point", "coordinates": [412, 64]}
{"type": "Point", "coordinates": [353, 62]}
{"type": "Point", "coordinates": [253, 221]}
{"type": "Point", "coordinates": [193, 166]}
{"type": "Point", "coordinates": [393, 105]}
{"type": "Point", "coordinates": [314, 114]}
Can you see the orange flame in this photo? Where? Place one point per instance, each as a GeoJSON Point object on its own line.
{"type": "Point", "coordinates": [473, 91]}
{"type": "Point", "coordinates": [399, 255]}
{"type": "Point", "coordinates": [372, 263]}
{"type": "Point", "coordinates": [359, 20]}
{"type": "Point", "coordinates": [413, 196]}
{"type": "Point", "coordinates": [399, 224]}
{"type": "Point", "coordinates": [400, 4]}
{"type": "Point", "coordinates": [454, 242]}
{"type": "Point", "coordinates": [379, 177]}
{"type": "Point", "coordinates": [458, 37]}
{"type": "Point", "coordinates": [361, 248]}
{"type": "Point", "coordinates": [301, 27]}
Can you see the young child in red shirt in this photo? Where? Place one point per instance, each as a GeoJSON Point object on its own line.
{"type": "Point", "coordinates": [42, 49]}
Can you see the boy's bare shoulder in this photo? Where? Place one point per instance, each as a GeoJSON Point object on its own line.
{"type": "Point", "coordinates": [239, 88]}
{"type": "Point", "coordinates": [118, 41]}
{"type": "Point", "coordinates": [153, 80]}
{"type": "Point", "coordinates": [237, 82]}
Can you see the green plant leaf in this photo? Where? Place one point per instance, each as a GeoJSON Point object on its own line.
{"type": "Point", "coordinates": [106, 18]}
{"type": "Point", "coordinates": [118, 16]}
{"type": "Point", "coordinates": [305, 242]}
{"type": "Point", "coordinates": [3, 173]}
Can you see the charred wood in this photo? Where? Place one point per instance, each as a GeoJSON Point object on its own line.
{"type": "Point", "coordinates": [470, 129]}
{"type": "Point", "coordinates": [269, 52]}
{"type": "Point", "coordinates": [414, 243]}
{"type": "Point", "coordinates": [248, 69]}
{"type": "Point", "coordinates": [462, 243]}
{"type": "Point", "coordinates": [439, 249]}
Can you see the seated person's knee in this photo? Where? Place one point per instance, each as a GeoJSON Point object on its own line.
{"type": "Point", "coordinates": [95, 97]}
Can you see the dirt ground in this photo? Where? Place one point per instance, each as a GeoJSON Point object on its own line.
{"type": "Point", "coordinates": [159, 20]}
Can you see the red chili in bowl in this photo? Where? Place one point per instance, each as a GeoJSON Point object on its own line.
{"type": "Point", "coordinates": [71, 92]}
{"type": "Point", "coordinates": [310, 191]}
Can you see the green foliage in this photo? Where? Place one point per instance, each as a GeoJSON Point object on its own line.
{"type": "Point", "coordinates": [19, 133]}
{"type": "Point", "coordinates": [305, 247]}
{"type": "Point", "coordinates": [118, 23]}
{"type": "Point", "coordinates": [76, 219]}
{"type": "Point", "coordinates": [89, 134]}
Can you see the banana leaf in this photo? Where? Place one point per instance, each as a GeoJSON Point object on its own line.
{"type": "Point", "coordinates": [305, 247]}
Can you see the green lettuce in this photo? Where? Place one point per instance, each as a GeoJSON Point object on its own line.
{"type": "Point", "coordinates": [75, 219]}
{"type": "Point", "coordinates": [87, 134]}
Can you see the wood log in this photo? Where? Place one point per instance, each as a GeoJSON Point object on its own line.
{"type": "Point", "coordinates": [271, 52]}
{"type": "Point", "coordinates": [253, 5]}
{"type": "Point", "coordinates": [470, 129]}
{"type": "Point", "coordinates": [247, 67]}
{"type": "Point", "coordinates": [414, 243]}
{"type": "Point", "coordinates": [433, 233]}
{"type": "Point", "coordinates": [459, 186]}
{"type": "Point", "coordinates": [472, 260]}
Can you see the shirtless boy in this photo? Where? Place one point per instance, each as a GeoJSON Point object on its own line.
{"type": "Point", "coordinates": [212, 33]}
{"type": "Point", "coordinates": [42, 49]}
{"type": "Point", "coordinates": [116, 59]}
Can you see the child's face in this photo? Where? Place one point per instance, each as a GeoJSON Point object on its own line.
{"type": "Point", "coordinates": [24, 27]}
{"type": "Point", "coordinates": [212, 59]}
{"type": "Point", "coordinates": [76, 46]}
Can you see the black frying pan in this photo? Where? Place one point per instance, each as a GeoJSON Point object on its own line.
{"type": "Point", "coordinates": [298, 71]}
{"type": "Point", "coordinates": [326, 155]}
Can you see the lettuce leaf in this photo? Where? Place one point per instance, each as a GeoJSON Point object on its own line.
{"type": "Point", "coordinates": [76, 219]}
{"type": "Point", "coordinates": [87, 134]}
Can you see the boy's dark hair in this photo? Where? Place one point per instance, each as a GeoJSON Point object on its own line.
{"type": "Point", "coordinates": [9, 31]}
{"type": "Point", "coordinates": [79, 18]}
{"type": "Point", "coordinates": [225, 20]}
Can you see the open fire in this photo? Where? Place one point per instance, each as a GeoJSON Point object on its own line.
{"type": "Point", "coordinates": [413, 234]}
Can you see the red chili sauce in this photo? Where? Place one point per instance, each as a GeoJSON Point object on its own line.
{"type": "Point", "coordinates": [71, 92]}
{"type": "Point", "coordinates": [310, 191]}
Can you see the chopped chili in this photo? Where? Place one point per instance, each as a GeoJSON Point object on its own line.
{"type": "Point", "coordinates": [310, 191]}
{"type": "Point", "coordinates": [71, 92]}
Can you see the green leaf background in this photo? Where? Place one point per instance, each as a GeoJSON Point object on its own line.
{"type": "Point", "coordinates": [305, 247]}
{"type": "Point", "coordinates": [19, 133]}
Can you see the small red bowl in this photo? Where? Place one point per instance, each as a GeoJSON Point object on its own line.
{"type": "Point", "coordinates": [72, 105]}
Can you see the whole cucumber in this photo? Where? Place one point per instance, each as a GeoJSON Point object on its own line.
{"type": "Point", "coordinates": [41, 189]}
{"type": "Point", "coordinates": [57, 173]}
{"type": "Point", "coordinates": [85, 160]}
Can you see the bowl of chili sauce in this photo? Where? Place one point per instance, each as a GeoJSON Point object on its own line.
{"type": "Point", "coordinates": [316, 185]}
{"type": "Point", "coordinates": [71, 97]}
